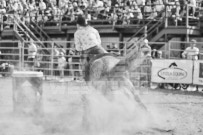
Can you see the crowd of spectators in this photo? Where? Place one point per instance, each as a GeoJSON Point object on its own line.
{"type": "Point", "coordinates": [110, 11]}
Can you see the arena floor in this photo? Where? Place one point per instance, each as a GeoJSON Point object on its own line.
{"type": "Point", "coordinates": [175, 112]}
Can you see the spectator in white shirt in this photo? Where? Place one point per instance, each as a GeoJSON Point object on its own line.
{"type": "Point", "coordinates": [193, 3]}
{"type": "Point", "coordinates": [153, 14]}
{"type": "Point", "coordinates": [61, 64]}
{"type": "Point", "coordinates": [13, 6]}
{"type": "Point", "coordinates": [32, 51]}
{"type": "Point", "coordinates": [42, 6]}
{"type": "Point", "coordinates": [191, 52]}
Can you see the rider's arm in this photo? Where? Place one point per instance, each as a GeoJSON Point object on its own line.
{"type": "Point", "coordinates": [98, 37]}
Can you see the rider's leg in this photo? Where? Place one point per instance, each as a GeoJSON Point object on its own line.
{"type": "Point", "coordinates": [90, 56]}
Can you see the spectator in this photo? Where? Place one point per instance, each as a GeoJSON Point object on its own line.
{"type": "Point", "coordinates": [32, 51]}
{"type": "Point", "coordinates": [56, 14]}
{"type": "Point", "coordinates": [2, 11]}
{"type": "Point", "coordinates": [3, 3]}
{"type": "Point", "coordinates": [159, 85]}
{"type": "Point", "coordinates": [127, 15]}
{"type": "Point", "coordinates": [78, 11]}
{"type": "Point", "coordinates": [176, 12]}
{"type": "Point", "coordinates": [32, 9]}
{"type": "Point", "coordinates": [108, 48]}
{"type": "Point", "coordinates": [154, 53]}
{"type": "Point", "coordinates": [148, 8]}
{"type": "Point", "coordinates": [153, 14]}
{"type": "Point", "coordinates": [137, 14]}
{"type": "Point", "coordinates": [70, 62]}
{"type": "Point", "coordinates": [61, 65]}
{"type": "Point", "coordinates": [13, 6]}
{"type": "Point", "coordinates": [38, 59]}
{"type": "Point", "coordinates": [192, 10]}
{"type": "Point", "coordinates": [42, 7]}
{"type": "Point", "coordinates": [159, 55]}
{"type": "Point", "coordinates": [113, 18]}
{"type": "Point", "coordinates": [98, 5]}
{"type": "Point", "coordinates": [159, 5]}
{"type": "Point", "coordinates": [146, 48]}
{"type": "Point", "coordinates": [114, 49]}
{"type": "Point", "coordinates": [55, 57]}
{"type": "Point", "coordinates": [20, 8]}
{"type": "Point", "coordinates": [146, 65]}
{"type": "Point", "coordinates": [192, 51]}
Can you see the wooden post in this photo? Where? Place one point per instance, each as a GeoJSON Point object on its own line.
{"type": "Point", "coordinates": [20, 55]}
{"type": "Point", "coordinates": [52, 59]}
{"type": "Point", "coordinates": [23, 53]}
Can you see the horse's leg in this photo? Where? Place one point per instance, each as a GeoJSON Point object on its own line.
{"type": "Point", "coordinates": [96, 69]}
{"type": "Point", "coordinates": [85, 120]}
{"type": "Point", "coordinates": [126, 82]}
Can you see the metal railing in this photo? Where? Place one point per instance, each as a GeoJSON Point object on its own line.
{"type": "Point", "coordinates": [14, 56]}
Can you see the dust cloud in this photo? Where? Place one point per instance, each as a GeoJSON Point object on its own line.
{"type": "Point", "coordinates": [84, 114]}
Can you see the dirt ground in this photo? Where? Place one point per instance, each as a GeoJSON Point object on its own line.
{"type": "Point", "coordinates": [179, 113]}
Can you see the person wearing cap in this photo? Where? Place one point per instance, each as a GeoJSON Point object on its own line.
{"type": "Point", "coordinates": [159, 54]}
{"type": "Point", "coordinates": [146, 65]}
{"type": "Point", "coordinates": [192, 51]}
{"type": "Point", "coordinates": [146, 49]}
{"type": "Point", "coordinates": [87, 40]}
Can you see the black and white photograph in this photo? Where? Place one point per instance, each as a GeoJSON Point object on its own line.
{"type": "Point", "coordinates": [101, 67]}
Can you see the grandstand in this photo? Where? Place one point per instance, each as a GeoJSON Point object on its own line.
{"type": "Point", "coordinates": [52, 23]}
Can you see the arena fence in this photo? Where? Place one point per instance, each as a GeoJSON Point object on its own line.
{"type": "Point", "coordinates": [14, 55]}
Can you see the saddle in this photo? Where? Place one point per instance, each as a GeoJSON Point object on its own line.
{"type": "Point", "coordinates": [98, 56]}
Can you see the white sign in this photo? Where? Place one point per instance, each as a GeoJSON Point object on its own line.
{"type": "Point", "coordinates": [172, 71]}
{"type": "Point", "coordinates": [198, 72]}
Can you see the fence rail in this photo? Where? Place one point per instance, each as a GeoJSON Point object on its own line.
{"type": "Point", "coordinates": [13, 54]}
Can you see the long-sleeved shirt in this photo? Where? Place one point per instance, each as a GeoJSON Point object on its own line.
{"type": "Point", "coordinates": [86, 37]}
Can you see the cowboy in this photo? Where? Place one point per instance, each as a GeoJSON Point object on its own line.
{"type": "Point", "coordinates": [88, 41]}
{"type": "Point", "coordinates": [192, 51]}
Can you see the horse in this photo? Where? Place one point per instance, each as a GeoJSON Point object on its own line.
{"type": "Point", "coordinates": [108, 74]}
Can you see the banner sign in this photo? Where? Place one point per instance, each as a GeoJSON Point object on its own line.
{"type": "Point", "coordinates": [198, 72]}
{"type": "Point", "coordinates": [172, 71]}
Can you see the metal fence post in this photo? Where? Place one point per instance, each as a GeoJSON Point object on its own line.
{"type": "Point", "coordinates": [125, 49]}
{"type": "Point", "coordinates": [187, 16]}
{"type": "Point", "coordinates": [169, 49]}
{"type": "Point", "coordinates": [23, 54]}
{"type": "Point", "coordinates": [20, 55]}
{"type": "Point", "coordinates": [52, 59]}
{"type": "Point", "coordinates": [165, 49]}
